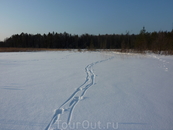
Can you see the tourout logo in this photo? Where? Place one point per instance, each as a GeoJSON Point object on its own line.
{"type": "Point", "coordinates": [87, 125]}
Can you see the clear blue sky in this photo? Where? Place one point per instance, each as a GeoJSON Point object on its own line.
{"type": "Point", "coordinates": [84, 16]}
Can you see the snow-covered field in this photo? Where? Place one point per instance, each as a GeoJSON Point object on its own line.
{"type": "Point", "coordinates": [85, 90]}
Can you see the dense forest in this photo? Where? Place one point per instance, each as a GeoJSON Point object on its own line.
{"type": "Point", "coordinates": [155, 41]}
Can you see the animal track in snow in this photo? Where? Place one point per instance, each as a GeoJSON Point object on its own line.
{"type": "Point", "coordinates": [163, 63]}
{"type": "Point", "coordinates": [65, 111]}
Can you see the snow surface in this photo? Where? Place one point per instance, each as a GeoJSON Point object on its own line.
{"type": "Point", "coordinates": [85, 90]}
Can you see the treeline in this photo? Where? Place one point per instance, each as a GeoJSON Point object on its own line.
{"type": "Point", "coordinates": [155, 41]}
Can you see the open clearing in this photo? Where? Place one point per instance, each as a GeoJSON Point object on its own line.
{"type": "Point", "coordinates": [85, 90]}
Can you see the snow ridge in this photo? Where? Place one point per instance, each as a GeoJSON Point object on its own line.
{"type": "Point", "coordinates": [68, 106]}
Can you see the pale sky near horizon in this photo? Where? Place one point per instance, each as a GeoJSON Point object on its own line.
{"type": "Point", "coordinates": [84, 16]}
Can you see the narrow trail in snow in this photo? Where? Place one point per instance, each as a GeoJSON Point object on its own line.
{"type": "Point", "coordinates": [65, 111]}
{"type": "Point", "coordinates": [163, 63]}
